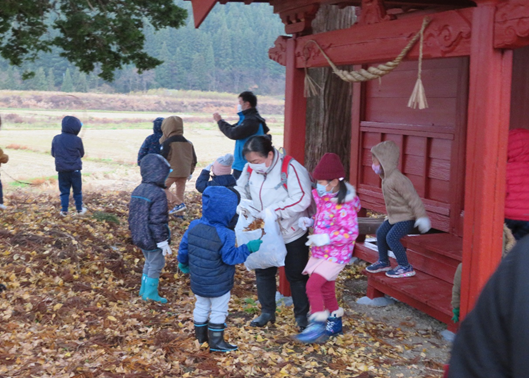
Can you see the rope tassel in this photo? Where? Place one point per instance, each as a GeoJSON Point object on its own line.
{"type": "Point", "coordinates": [418, 96]}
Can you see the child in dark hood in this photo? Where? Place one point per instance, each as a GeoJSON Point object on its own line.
{"type": "Point", "coordinates": [67, 149]}
{"type": "Point", "coordinates": [209, 254]}
{"type": "Point", "coordinates": [404, 208]}
{"type": "Point", "coordinates": [151, 145]}
{"type": "Point", "coordinates": [148, 222]}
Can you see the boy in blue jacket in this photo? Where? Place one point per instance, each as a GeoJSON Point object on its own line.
{"type": "Point", "coordinates": [151, 145]}
{"type": "Point", "coordinates": [217, 174]}
{"type": "Point", "coordinates": [148, 223]}
{"type": "Point", "coordinates": [208, 252]}
{"type": "Point", "coordinates": [67, 149]}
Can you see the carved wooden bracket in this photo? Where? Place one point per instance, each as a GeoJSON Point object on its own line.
{"type": "Point", "coordinates": [448, 33]}
{"type": "Point", "coordinates": [278, 52]}
{"type": "Point", "coordinates": [299, 20]}
{"type": "Point", "coordinates": [373, 12]}
{"type": "Point", "coordinates": [511, 29]}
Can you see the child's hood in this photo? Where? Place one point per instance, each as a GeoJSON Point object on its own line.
{"type": "Point", "coordinates": [157, 125]}
{"type": "Point", "coordinates": [154, 169]}
{"type": "Point", "coordinates": [172, 126]}
{"type": "Point", "coordinates": [387, 154]}
{"type": "Point", "coordinates": [71, 125]}
{"type": "Point", "coordinates": [219, 205]}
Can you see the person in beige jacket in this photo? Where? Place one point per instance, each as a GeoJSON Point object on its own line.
{"type": "Point", "coordinates": [3, 159]}
{"type": "Point", "coordinates": [404, 208]}
{"type": "Point", "coordinates": [180, 154]}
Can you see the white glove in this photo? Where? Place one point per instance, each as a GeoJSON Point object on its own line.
{"type": "Point", "coordinates": [208, 167]}
{"type": "Point", "coordinates": [268, 212]}
{"type": "Point", "coordinates": [305, 223]}
{"type": "Point", "coordinates": [164, 246]}
{"type": "Point", "coordinates": [318, 240]}
{"type": "Point", "coordinates": [423, 224]}
{"type": "Point", "coordinates": [189, 178]}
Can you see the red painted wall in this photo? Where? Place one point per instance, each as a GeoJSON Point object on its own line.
{"type": "Point", "coordinates": [520, 89]}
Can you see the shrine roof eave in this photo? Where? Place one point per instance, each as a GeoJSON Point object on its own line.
{"type": "Point", "coordinates": [201, 8]}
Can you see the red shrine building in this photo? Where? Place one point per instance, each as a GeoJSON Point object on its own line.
{"type": "Point", "coordinates": [476, 73]}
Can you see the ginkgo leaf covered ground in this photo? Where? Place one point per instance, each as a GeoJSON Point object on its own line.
{"type": "Point", "coordinates": [72, 310]}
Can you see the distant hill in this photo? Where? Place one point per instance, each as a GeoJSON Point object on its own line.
{"type": "Point", "coordinates": [229, 53]}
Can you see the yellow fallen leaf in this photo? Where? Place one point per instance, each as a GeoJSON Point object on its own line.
{"type": "Point", "coordinates": [110, 317]}
{"type": "Point", "coordinates": [57, 306]}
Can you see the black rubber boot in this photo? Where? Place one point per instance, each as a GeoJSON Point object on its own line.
{"type": "Point", "coordinates": [216, 339]}
{"type": "Point", "coordinates": [201, 331]}
{"type": "Point", "coordinates": [263, 320]}
{"type": "Point", "coordinates": [302, 322]}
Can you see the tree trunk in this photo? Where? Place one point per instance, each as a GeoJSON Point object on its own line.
{"type": "Point", "coordinates": [329, 113]}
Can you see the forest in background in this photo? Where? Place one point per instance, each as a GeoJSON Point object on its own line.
{"type": "Point", "coordinates": [229, 53]}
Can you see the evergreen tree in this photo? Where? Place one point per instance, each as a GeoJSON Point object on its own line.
{"type": "Point", "coordinates": [51, 80]}
{"type": "Point", "coordinates": [67, 84]}
{"type": "Point", "coordinates": [41, 84]}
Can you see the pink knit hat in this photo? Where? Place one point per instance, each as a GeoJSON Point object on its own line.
{"type": "Point", "coordinates": [222, 166]}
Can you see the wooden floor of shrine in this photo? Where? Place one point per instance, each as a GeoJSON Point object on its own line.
{"type": "Point", "coordinates": [435, 258]}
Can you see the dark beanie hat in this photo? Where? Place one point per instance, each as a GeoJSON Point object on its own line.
{"type": "Point", "coordinates": [329, 168]}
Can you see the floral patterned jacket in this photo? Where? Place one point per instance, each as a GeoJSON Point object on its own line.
{"type": "Point", "coordinates": [340, 222]}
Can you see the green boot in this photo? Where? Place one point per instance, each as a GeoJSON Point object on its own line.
{"type": "Point", "coordinates": [142, 288]}
{"type": "Point", "coordinates": [151, 290]}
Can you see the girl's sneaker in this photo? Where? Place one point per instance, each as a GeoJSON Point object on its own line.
{"type": "Point", "coordinates": [82, 211]}
{"type": "Point", "coordinates": [178, 209]}
{"type": "Point", "coordinates": [379, 266]}
{"type": "Point", "coordinates": [63, 213]}
{"type": "Point", "coordinates": [2, 206]}
{"type": "Point", "coordinates": [401, 271]}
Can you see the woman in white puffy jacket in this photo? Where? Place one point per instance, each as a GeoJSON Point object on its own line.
{"type": "Point", "coordinates": [288, 198]}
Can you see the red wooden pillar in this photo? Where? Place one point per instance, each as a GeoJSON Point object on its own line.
{"type": "Point", "coordinates": [488, 126]}
{"type": "Point", "coordinates": [294, 132]}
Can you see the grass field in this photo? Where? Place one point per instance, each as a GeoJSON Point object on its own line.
{"type": "Point", "coordinates": [111, 140]}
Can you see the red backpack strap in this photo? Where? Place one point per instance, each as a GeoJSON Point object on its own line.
{"type": "Point", "coordinates": [249, 170]}
{"type": "Point", "coordinates": [284, 170]}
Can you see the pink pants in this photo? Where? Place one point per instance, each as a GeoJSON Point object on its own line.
{"type": "Point", "coordinates": [321, 294]}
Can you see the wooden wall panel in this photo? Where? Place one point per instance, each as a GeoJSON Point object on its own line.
{"type": "Point", "coordinates": [520, 90]}
{"type": "Point", "coordinates": [426, 138]}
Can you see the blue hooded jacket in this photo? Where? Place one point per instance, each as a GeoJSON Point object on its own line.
{"type": "Point", "coordinates": [148, 216]}
{"type": "Point", "coordinates": [208, 246]}
{"type": "Point", "coordinates": [67, 148]}
{"type": "Point", "coordinates": [151, 145]}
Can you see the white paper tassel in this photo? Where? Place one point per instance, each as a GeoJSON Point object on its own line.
{"type": "Point", "coordinates": [418, 96]}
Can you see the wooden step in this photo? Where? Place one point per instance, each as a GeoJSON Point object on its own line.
{"type": "Point", "coordinates": [425, 253]}
{"type": "Point", "coordinates": [426, 293]}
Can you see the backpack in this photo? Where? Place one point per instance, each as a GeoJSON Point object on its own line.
{"type": "Point", "coordinates": [284, 181]}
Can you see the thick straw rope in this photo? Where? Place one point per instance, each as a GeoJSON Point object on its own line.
{"type": "Point", "coordinates": [370, 73]}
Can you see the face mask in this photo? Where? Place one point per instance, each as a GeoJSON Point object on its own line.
{"type": "Point", "coordinates": [322, 190]}
{"type": "Point", "coordinates": [239, 108]}
{"type": "Point", "coordinates": [259, 168]}
{"type": "Point", "coordinates": [376, 169]}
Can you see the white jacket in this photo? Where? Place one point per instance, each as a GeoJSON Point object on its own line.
{"type": "Point", "coordinates": [266, 190]}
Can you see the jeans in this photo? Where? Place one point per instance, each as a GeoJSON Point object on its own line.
{"type": "Point", "coordinates": [519, 228]}
{"type": "Point", "coordinates": [236, 173]}
{"type": "Point", "coordinates": [216, 309]}
{"type": "Point", "coordinates": [1, 194]}
{"type": "Point", "coordinates": [388, 237]}
{"type": "Point", "coordinates": [295, 261]}
{"type": "Point", "coordinates": [154, 263]}
{"type": "Point", "coordinates": [72, 180]}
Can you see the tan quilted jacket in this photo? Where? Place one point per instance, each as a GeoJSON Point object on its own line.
{"type": "Point", "coordinates": [402, 201]}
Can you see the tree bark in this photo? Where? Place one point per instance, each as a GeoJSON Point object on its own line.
{"type": "Point", "coordinates": [329, 113]}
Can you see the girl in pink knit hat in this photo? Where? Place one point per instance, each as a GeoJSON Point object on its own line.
{"type": "Point", "coordinates": [335, 231]}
